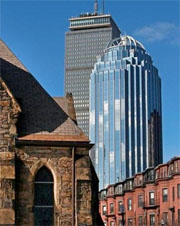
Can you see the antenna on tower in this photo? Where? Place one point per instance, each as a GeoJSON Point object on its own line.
{"type": "Point", "coordinates": [102, 6]}
{"type": "Point", "coordinates": [95, 7]}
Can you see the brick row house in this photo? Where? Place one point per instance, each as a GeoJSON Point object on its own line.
{"type": "Point", "coordinates": [150, 198]}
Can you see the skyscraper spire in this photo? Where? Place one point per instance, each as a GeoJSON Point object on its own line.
{"type": "Point", "coordinates": [95, 6]}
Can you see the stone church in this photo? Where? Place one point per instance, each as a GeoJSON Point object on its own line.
{"type": "Point", "coordinates": [46, 176]}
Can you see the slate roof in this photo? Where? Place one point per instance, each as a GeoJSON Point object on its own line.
{"type": "Point", "coordinates": [41, 118]}
{"type": "Point", "coordinates": [67, 104]}
{"type": "Point", "coordinates": [62, 102]}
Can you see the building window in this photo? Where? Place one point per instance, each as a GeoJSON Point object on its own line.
{"type": "Point", "coordinates": [140, 201]}
{"type": "Point", "coordinates": [111, 191]}
{"type": "Point", "coordinates": [103, 194]}
{"type": "Point", "coordinates": [173, 194]}
{"type": "Point", "coordinates": [165, 218]}
{"type": "Point", "coordinates": [176, 167]}
{"type": "Point", "coordinates": [130, 222]}
{"type": "Point", "coordinates": [111, 207]}
{"type": "Point", "coordinates": [129, 202]}
{"type": "Point", "coordinates": [151, 198]}
{"type": "Point", "coordinates": [157, 174]}
{"type": "Point", "coordinates": [178, 216]}
{"type": "Point", "coordinates": [120, 206]}
{"type": "Point", "coordinates": [44, 197]}
{"type": "Point", "coordinates": [104, 210]}
{"type": "Point", "coordinates": [152, 219]}
{"type": "Point", "coordinates": [140, 221]}
{"type": "Point", "coordinates": [118, 189]}
{"type": "Point", "coordinates": [178, 191]}
{"type": "Point", "coordinates": [165, 194]}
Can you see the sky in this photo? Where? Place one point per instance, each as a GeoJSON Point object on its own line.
{"type": "Point", "coordinates": [35, 31]}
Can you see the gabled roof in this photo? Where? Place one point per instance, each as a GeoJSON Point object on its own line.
{"type": "Point", "coordinates": [67, 104]}
{"type": "Point", "coordinates": [41, 117]}
{"type": "Point", "coordinates": [8, 55]}
{"type": "Point", "coordinates": [15, 106]}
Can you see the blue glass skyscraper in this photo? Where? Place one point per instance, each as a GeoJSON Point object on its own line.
{"type": "Point", "coordinates": [125, 111]}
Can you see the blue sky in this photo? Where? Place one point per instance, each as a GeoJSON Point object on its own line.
{"type": "Point", "coordinates": [35, 31]}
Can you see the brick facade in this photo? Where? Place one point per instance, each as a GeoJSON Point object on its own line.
{"type": "Point", "coordinates": [150, 198]}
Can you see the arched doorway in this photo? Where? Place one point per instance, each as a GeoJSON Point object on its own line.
{"type": "Point", "coordinates": [44, 198]}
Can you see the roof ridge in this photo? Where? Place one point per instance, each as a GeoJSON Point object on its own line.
{"type": "Point", "coordinates": [41, 113]}
{"type": "Point", "coordinates": [15, 102]}
{"type": "Point", "coordinates": [13, 54]}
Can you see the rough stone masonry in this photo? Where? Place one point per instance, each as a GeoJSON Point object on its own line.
{"type": "Point", "coordinates": [36, 132]}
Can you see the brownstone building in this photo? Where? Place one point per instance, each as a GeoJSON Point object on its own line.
{"type": "Point", "coordinates": [150, 198]}
{"type": "Point", "coordinates": [46, 176]}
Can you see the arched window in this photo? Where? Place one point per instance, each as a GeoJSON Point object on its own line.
{"type": "Point", "coordinates": [44, 198]}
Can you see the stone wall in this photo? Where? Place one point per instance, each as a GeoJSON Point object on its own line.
{"type": "Point", "coordinates": [87, 197]}
{"type": "Point", "coordinates": [18, 168]}
{"type": "Point", "coordinates": [9, 111]}
{"type": "Point", "coordinates": [30, 159]}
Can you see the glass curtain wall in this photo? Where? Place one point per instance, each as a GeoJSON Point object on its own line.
{"type": "Point", "coordinates": [125, 111]}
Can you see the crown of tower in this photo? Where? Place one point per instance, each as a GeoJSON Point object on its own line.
{"type": "Point", "coordinates": [124, 41]}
